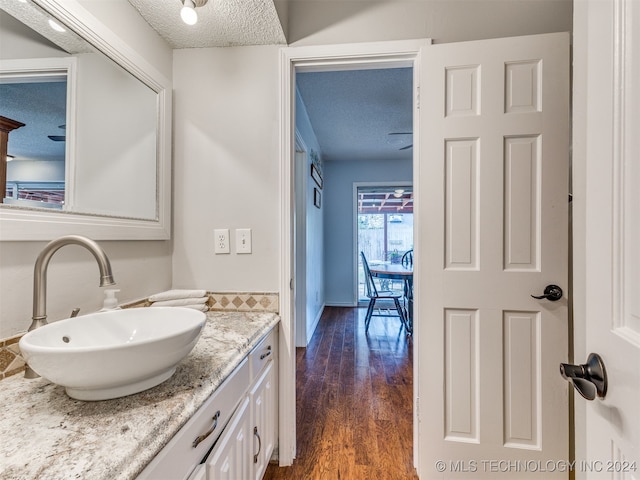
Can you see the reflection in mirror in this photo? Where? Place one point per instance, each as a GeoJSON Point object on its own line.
{"type": "Point", "coordinates": [35, 168]}
{"type": "Point", "coordinates": [89, 143]}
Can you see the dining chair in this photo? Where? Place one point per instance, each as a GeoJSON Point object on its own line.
{"type": "Point", "coordinates": [374, 295]}
{"type": "Point", "coordinates": [407, 258]}
{"type": "Point", "coordinates": [407, 261]}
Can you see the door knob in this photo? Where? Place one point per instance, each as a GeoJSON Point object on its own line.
{"type": "Point", "coordinates": [552, 293]}
{"type": "Point", "coordinates": [589, 379]}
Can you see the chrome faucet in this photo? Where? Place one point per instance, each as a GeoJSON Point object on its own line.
{"type": "Point", "coordinates": [39, 318]}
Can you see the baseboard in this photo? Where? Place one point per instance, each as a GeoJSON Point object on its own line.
{"type": "Point", "coordinates": [340, 304]}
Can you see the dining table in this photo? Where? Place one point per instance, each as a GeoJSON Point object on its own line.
{"type": "Point", "coordinates": [397, 271]}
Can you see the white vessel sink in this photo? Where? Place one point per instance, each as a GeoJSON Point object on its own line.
{"type": "Point", "coordinates": [115, 353]}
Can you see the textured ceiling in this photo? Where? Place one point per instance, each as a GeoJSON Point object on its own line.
{"type": "Point", "coordinates": [353, 112]}
{"type": "Point", "coordinates": [221, 23]}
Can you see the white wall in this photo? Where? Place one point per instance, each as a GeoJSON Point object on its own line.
{"type": "Point", "coordinates": [226, 145]}
{"type": "Point", "coordinates": [140, 268]}
{"type": "Point", "coordinates": [339, 260]}
{"type": "Point", "coordinates": [226, 166]}
{"type": "Point", "coordinates": [226, 130]}
{"type": "Point", "coordinates": [317, 22]}
{"type": "Point", "coordinates": [226, 152]}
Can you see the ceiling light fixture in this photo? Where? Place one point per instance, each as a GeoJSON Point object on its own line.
{"type": "Point", "coordinates": [188, 12]}
{"type": "Point", "coordinates": [398, 193]}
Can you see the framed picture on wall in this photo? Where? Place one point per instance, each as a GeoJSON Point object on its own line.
{"type": "Point", "coordinates": [317, 198]}
{"type": "Point", "coordinates": [315, 174]}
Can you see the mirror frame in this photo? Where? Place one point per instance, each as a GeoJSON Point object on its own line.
{"type": "Point", "coordinates": [39, 225]}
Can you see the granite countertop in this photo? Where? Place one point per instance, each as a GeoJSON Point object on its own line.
{"type": "Point", "coordinates": [49, 436]}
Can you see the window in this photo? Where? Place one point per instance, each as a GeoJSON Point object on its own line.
{"type": "Point", "coordinates": [385, 228]}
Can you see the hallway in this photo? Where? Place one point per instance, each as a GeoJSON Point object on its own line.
{"type": "Point", "coordinates": [354, 401]}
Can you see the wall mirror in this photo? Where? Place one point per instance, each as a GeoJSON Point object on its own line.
{"type": "Point", "coordinates": [88, 151]}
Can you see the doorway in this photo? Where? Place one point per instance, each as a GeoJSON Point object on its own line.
{"type": "Point", "coordinates": [379, 55]}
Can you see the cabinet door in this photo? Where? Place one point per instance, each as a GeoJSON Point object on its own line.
{"type": "Point", "coordinates": [231, 459]}
{"type": "Point", "coordinates": [262, 397]}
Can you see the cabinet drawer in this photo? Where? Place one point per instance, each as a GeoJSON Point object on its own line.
{"type": "Point", "coordinates": [264, 352]}
{"type": "Point", "coordinates": [177, 459]}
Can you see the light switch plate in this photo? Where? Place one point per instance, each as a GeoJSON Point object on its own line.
{"type": "Point", "coordinates": [221, 240]}
{"type": "Point", "coordinates": [243, 240]}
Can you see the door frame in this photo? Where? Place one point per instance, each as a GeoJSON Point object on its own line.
{"type": "Point", "coordinates": [321, 58]}
{"type": "Point", "coordinates": [578, 178]}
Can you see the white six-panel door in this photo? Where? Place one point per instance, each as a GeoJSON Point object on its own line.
{"type": "Point", "coordinates": [493, 207]}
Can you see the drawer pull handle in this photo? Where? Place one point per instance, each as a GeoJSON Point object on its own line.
{"type": "Point", "coordinates": [199, 439]}
{"type": "Point", "coordinates": [266, 354]}
{"type": "Point", "coordinates": [256, 434]}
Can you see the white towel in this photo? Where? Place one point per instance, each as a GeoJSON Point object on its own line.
{"type": "Point", "coordinates": [181, 302]}
{"type": "Point", "coordinates": [203, 307]}
{"type": "Point", "coordinates": [177, 294]}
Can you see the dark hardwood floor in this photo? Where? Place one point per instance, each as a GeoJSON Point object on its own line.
{"type": "Point", "coordinates": [354, 401]}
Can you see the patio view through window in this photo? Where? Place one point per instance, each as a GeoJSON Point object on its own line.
{"type": "Point", "coordinates": [385, 229]}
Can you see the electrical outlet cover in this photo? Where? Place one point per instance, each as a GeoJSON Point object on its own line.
{"type": "Point", "coordinates": [221, 240]}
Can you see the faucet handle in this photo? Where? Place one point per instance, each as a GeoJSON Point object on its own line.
{"type": "Point", "coordinates": [74, 312]}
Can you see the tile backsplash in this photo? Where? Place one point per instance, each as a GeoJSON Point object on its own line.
{"type": "Point", "coordinates": [10, 360]}
{"type": "Point", "coordinates": [12, 363]}
{"type": "Point", "coordinates": [244, 302]}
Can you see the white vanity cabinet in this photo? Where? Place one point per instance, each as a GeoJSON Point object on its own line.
{"type": "Point", "coordinates": [244, 449]}
{"type": "Point", "coordinates": [232, 436]}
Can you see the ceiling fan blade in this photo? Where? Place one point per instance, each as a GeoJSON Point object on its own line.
{"type": "Point", "coordinates": [405, 148]}
{"type": "Point", "coordinates": [401, 133]}
{"type": "Point", "coordinates": [57, 138]}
